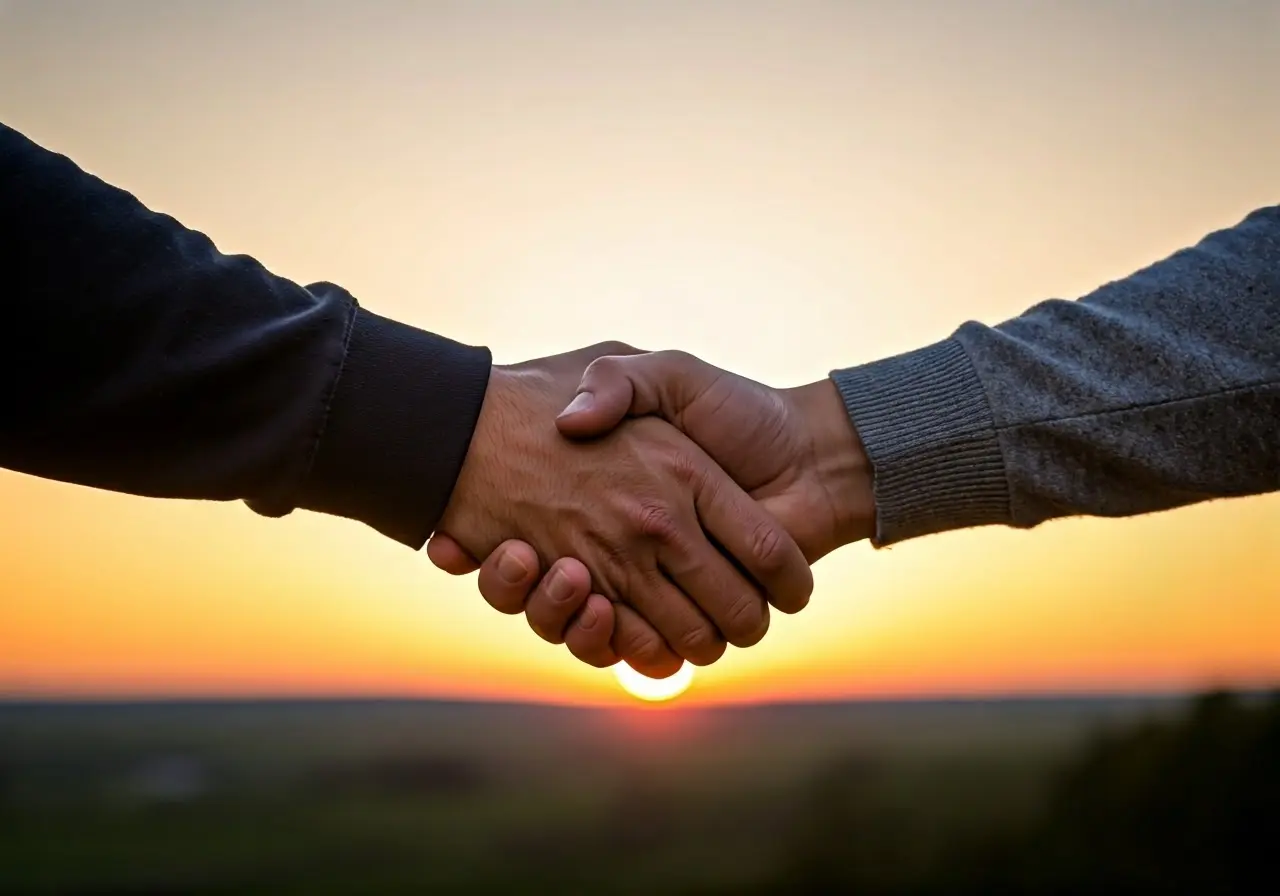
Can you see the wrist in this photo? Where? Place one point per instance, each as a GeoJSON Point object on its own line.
{"type": "Point", "coordinates": [464, 517]}
{"type": "Point", "coordinates": [839, 467]}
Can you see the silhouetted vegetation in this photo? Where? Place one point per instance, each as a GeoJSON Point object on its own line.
{"type": "Point", "coordinates": [1023, 797]}
{"type": "Point", "coordinates": [1189, 805]}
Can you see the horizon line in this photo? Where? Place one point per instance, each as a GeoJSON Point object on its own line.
{"type": "Point", "coordinates": [13, 701]}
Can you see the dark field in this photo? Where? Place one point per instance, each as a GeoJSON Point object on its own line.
{"type": "Point", "coordinates": [1066, 796]}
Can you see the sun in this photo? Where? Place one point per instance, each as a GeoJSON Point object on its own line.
{"type": "Point", "coordinates": [654, 689]}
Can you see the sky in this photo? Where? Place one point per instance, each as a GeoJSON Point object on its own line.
{"type": "Point", "coordinates": [782, 188]}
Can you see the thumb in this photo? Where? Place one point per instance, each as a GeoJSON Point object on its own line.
{"type": "Point", "coordinates": [613, 388]}
{"type": "Point", "coordinates": [605, 397]}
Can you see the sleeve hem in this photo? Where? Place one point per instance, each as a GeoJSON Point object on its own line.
{"type": "Point", "coordinates": [398, 428]}
{"type": "Point", "coordinates": [926, 425]}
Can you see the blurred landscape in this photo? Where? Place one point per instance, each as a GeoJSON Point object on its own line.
{"type": "Point", "coordinates": [1117, 795]}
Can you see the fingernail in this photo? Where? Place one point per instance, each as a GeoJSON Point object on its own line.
{"type": "Point", "coordinates": [512, 569]}
{"type": "Point", "coordinates": [581, 402]}
{"type": "Point", "coordinates": [559, 587]}
{"type": "Point", "coordinates": [587, 618]}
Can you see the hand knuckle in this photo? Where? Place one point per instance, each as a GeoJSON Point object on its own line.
{"type": "Point", "coordinates": [697, 638]}
{"type": "Point", "coordinates": [613, 347]}
{"type": "Point", "coordinates": [605, 366]}
{"type": "Point", "coordinates": [701, 645]}
{"type": "Point", "coordinates": [644, 647]}
{"type": "Point", "coordinates": [768, 548]}
{"type": "Point", "coordinates": [748, 617]}
{"type": "Point", "coordinates": [656, 522]}
{"type": "Point", "coordinates": [690, 472]}
{"type": "Point", "coordinates": [748, 621]}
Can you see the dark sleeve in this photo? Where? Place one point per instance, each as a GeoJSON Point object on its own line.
{"type": "Point", "coordinates": [138, 358]}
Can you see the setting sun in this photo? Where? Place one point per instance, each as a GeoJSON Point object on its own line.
{"type": "Point", "coordinates": [654, 690]}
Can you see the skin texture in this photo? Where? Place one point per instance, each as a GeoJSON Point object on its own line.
{"type": "Point", "coordinates": [794, 450]}
{"type": "Point", "coordinates": [632, 507]}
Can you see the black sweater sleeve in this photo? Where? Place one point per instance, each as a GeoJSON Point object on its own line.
{"type": "Point", "coordinates": [138, 358]}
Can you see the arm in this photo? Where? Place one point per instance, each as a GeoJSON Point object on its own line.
{"type": "Point", "coordinates": [142, 360]}
{"type": "Point", "coordinates": [1158, 390]}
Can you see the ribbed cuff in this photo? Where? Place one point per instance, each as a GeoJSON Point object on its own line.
{"type": "Point", "coordinates": [926, 426]}
{"type": "Point", "coordinates": [398, 428]}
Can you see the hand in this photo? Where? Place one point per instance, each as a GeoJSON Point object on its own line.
{"type": "Point", "coordinates": [632, 507]}
{"type": "Point", "coordinates": [794, 449]}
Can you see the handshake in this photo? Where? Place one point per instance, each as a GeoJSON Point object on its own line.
{"type": "Point", "coordinates": [659, 539]}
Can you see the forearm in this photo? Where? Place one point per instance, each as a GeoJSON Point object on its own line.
{"type": "Point", "coordinates": [1155, 391]}
{"type": "Point", "coordinates": [143, 360]}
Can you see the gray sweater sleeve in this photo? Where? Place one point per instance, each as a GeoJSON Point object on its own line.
{"type": "Point", "coordinates": [1155, 391]}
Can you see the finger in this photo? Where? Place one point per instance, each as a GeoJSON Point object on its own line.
{"type": "Point", "coordinates": [612, 388]}
{"type": "Point", "coordinates": [676, 617]}
{"type": "Point", "coordinates": [735, 604]}
{"type": "Point", "coordinates": [588, 634]}
{"type": "Point", "coordinates": [557, 598]}
{"type": "Point", "coordinates": [639, 643]}
{"type": "Point", "coordinates": [508, 575]}
{"type": "Point", "coordinates": [449, 556]}
{"type": "Point", "coordinates": [754, 539]}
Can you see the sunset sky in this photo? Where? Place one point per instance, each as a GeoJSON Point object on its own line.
{"type": "Point", "coordinates": [782, 188]}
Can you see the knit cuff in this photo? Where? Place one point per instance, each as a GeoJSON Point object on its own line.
{"type": "Point", "coordinates": [926, 425]}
